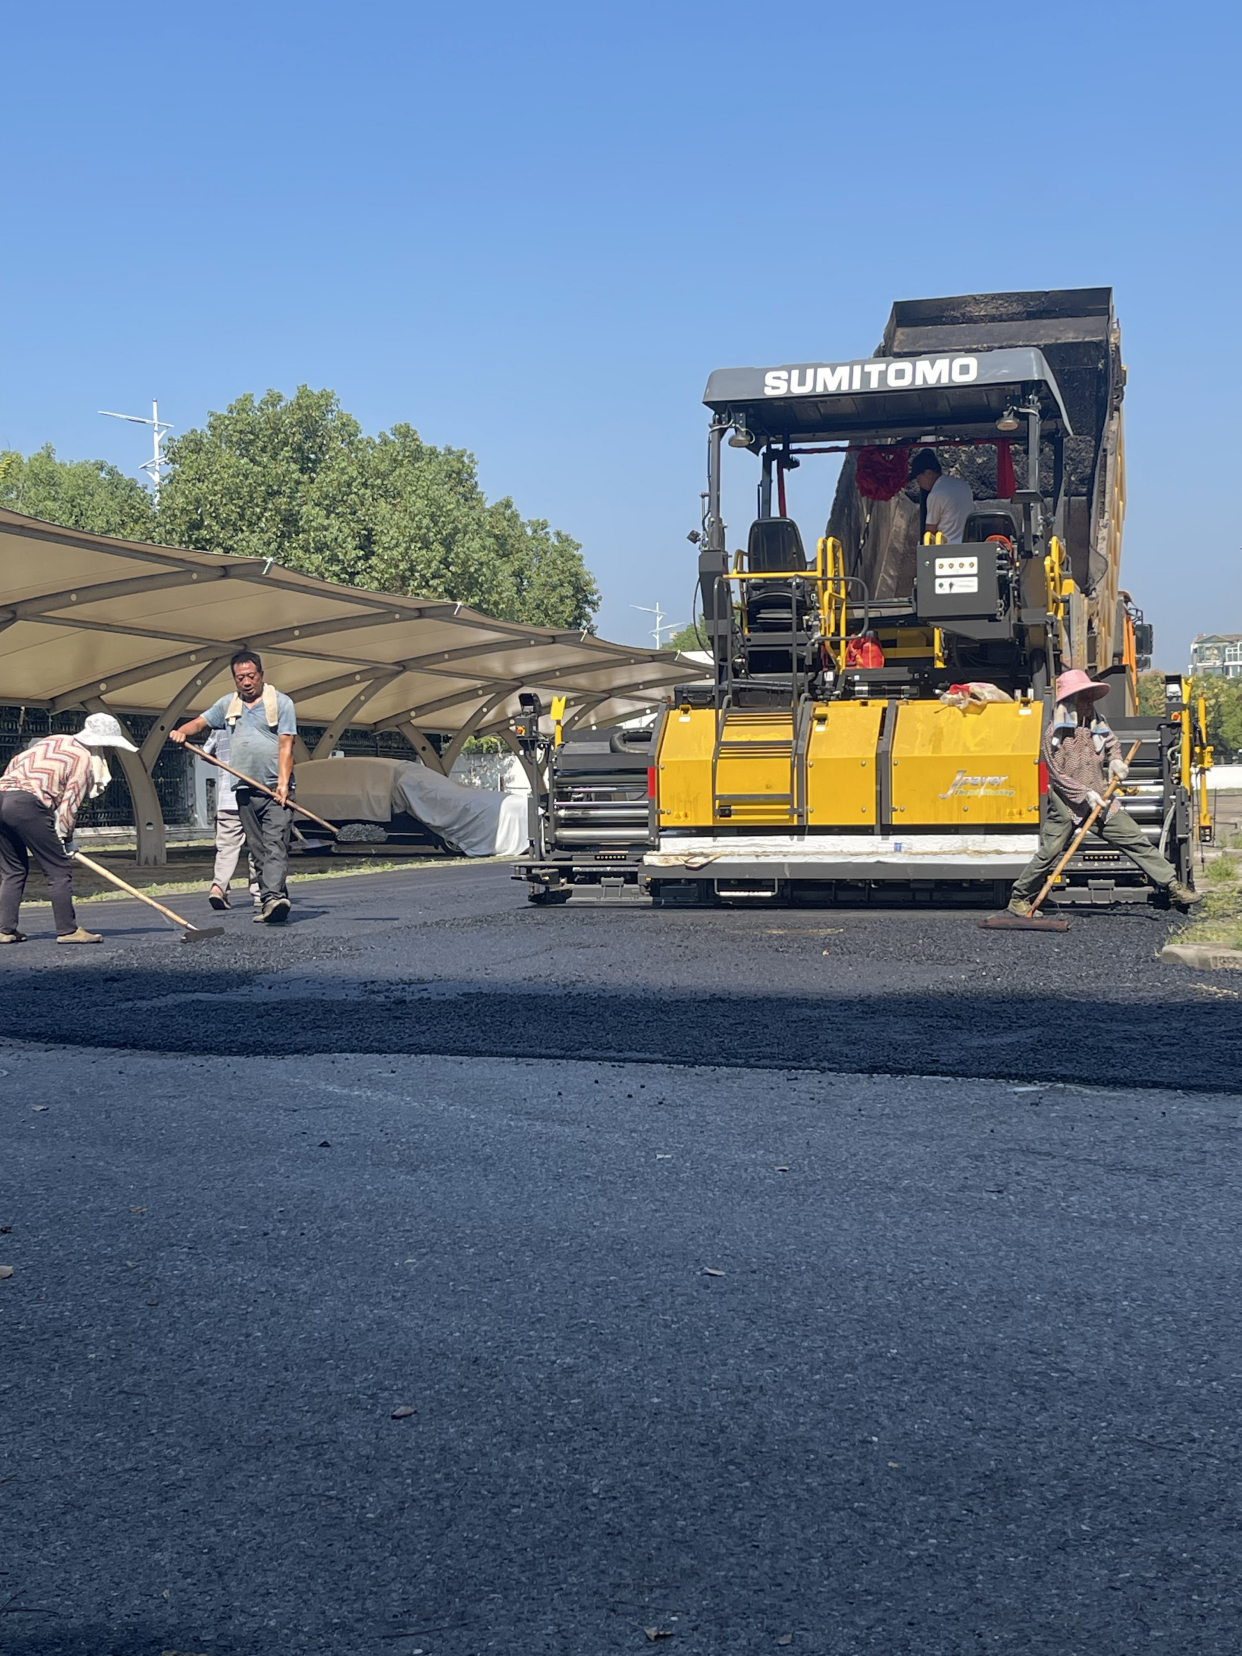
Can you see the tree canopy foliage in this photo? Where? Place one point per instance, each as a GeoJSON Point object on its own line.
{"type": "Point", "coordinates": [689, 638]}
{"type": "Point", "coordinates": [1151, 692]}
{"type": "Point", "coordinates": [296, 479]}
{"type": "Point", "coordinates": [80, 494]}
{"type": "Point", "coordinates": [1223, 699]}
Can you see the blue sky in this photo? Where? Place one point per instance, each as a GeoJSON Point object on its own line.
{"type": "Point", "coordinates": [531, 231]}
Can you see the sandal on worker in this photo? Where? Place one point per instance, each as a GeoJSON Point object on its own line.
{"type": "Point", "coordinates": [12, 937]}
{"type": "Point", "coordinates": [217, 898]}
{"type": "Point", "coordinates": [81, 935]}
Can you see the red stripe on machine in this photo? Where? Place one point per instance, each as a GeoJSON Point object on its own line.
{"type": "Point", "coordinates": [1043, 777]}
{"type": "Point", "coordinates": [651, 793]}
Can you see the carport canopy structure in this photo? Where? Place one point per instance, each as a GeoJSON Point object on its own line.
{"type": "Point", "coordinates": [118, 626]}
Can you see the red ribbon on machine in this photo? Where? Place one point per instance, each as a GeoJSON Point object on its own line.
{"type": "Point", "coordinates": [881, 473]}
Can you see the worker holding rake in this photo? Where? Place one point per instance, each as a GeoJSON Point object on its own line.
{"type": "Point", "coordinates": [41, 793]}
{"type": "Point", "coordinates": [262, 724]}
{"type": "Point", "coordinates": [1078, 748]}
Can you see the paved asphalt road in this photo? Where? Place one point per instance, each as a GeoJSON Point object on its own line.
{"type": "Point", "coordinates": [935, 1359]}
{"type": "Point", "coordinates": [452, 959]}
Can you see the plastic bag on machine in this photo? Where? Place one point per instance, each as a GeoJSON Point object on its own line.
{"type": "Point", "coordinates": [974, 694]}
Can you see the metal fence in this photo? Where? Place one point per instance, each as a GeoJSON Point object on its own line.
{"type": "Point", "coordinates": [365, 744]}
{"type": "Point", "coordinates": [174, 769]}
{"type": "Point", "coordinates": [173, 774]}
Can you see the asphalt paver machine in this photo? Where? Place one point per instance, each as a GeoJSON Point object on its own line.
{"type": "Point", "coordinates": [870, 726]}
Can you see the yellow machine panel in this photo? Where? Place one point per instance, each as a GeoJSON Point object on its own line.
{"type": "Point", "coordinates": [840, 764]}
{"type": "Point", "coordinates": [684, 767]}
{"type": "Point", "coordinates": [755, 782]}
{"type": "Point", "coordinates": [966, 765]}
{"type": "Point", "coordinates": [747, 782]}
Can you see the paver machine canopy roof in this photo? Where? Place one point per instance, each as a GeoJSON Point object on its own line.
{"type": "Point", "coordinates": [885, 398]}
{"type": "Point", "coordinates": [979, 378]}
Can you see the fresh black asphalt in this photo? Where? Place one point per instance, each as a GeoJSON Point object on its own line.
{"type": "Point", "coordinates": [452, 960]}
{"type": "Point", "coordinates": [872, 1291]}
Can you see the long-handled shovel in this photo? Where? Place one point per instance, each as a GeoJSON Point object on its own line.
{"type": "Point", "coordinates": [1035, 921]}
{"type": "Point", "coordinates": [191, 934]}
{"type": "Point", "coordinates": [352, 831]}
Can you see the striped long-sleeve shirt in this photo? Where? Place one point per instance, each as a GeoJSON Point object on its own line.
{"type": "Point", "coordinates": [57, 771]}
{"type": "Point", "coordinates": [1077, 756]}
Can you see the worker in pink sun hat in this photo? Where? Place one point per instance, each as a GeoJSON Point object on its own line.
{"type": "Point", "coordinates": [1082, 755]}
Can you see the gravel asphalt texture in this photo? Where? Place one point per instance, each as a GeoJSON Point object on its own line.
{"type": "Point", "coordinates": [855, 1284]}
{"type": "Point", "coordinates": [453, 960]}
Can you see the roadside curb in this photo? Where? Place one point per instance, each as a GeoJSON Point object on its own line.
{"type": "Point", "coordinates": [1203, 957]}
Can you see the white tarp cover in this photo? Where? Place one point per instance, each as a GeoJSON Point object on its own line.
{"type": "Point", "coordinates": [475, 821]}
{"type": "Point", "coordinates": [348, 790]}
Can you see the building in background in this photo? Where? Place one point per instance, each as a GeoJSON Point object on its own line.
{"type": "Point", "coordinates": [1216, 655]}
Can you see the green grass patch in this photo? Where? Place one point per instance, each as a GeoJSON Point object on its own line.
{"type": "Point", "coordinates": [1218, 918]}
{"type": "Point", "coordinates": [1220, 871]}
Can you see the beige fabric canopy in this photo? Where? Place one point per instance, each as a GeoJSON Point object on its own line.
{"type": "Point", "coordinates": [88, 621]}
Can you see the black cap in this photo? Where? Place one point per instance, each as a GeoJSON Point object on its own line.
{"type": "Point", "coordinates": [924, 461]}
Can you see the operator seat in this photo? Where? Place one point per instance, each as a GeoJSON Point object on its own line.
{"type": "Point", "coordinates": [774, 547]}
{"type": "Point", "coordinates": [981, 526]}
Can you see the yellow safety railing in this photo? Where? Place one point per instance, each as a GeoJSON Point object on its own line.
{"type": "Point", "coordinates": [828, 579]}
{"type": "Point", "coordinates": [1059, 588]}
{"type": "Point", "coordinates": [1054, 578]}
{"type": "Point", "coordinates": [833, 594]}
{"type": "Point", "coordinates": [1201, 758]}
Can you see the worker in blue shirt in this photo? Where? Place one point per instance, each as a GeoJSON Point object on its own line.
{"type": "Point", "coordinates": [262, 725]}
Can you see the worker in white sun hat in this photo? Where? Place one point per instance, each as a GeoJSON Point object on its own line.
{"type": "Point", "coordinates": [41, 793]}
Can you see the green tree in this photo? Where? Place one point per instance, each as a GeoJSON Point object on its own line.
{"type": "Point", "coordinates": [1151, 692]}
{"type": "Point", "coordinates": [296, 479]}
{"type": "Point", "coordinates": [79, 494]}
{"type": "Point", "coordinates": [1223, 705]}
{"type": "Point", "coordinates": [688, 638]}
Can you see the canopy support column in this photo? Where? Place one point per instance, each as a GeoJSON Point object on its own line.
{"type": "Point", "coordinates": [527, 763]}
{"type": "Point", "coordinates": [581, 712]}
{"type": "Point", "coordinates": [158, 733]}
{"type": "Point", "coordinates": [422, 747]}
{"type": "Point", "coordinates": [452, 753]}
{"type": "Point", "coordinates": [148, 818]}
{"type": "Point", "coordinates": [330, 737]}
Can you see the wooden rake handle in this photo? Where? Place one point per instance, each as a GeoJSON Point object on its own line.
{"type": "Point", "coordinates": [107, 874]}
{"type": "Point", "coordinates": [1082, 832]}
{"type": "Point", "coordinates": [251, 783]}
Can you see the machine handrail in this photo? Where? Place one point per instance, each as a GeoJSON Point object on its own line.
{"type": "Point", "coordinates": [833, 588]}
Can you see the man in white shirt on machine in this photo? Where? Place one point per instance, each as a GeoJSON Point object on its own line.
{"type": "Point", "coordinates": [950, 500]}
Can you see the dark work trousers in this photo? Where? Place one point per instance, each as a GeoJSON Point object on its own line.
{"type": "Point", "coordinates": [1119, 830]}
{"type": "Point", "coordinates": [27, 824]}
{"type": "Point", "coordinates": [268, 827]}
